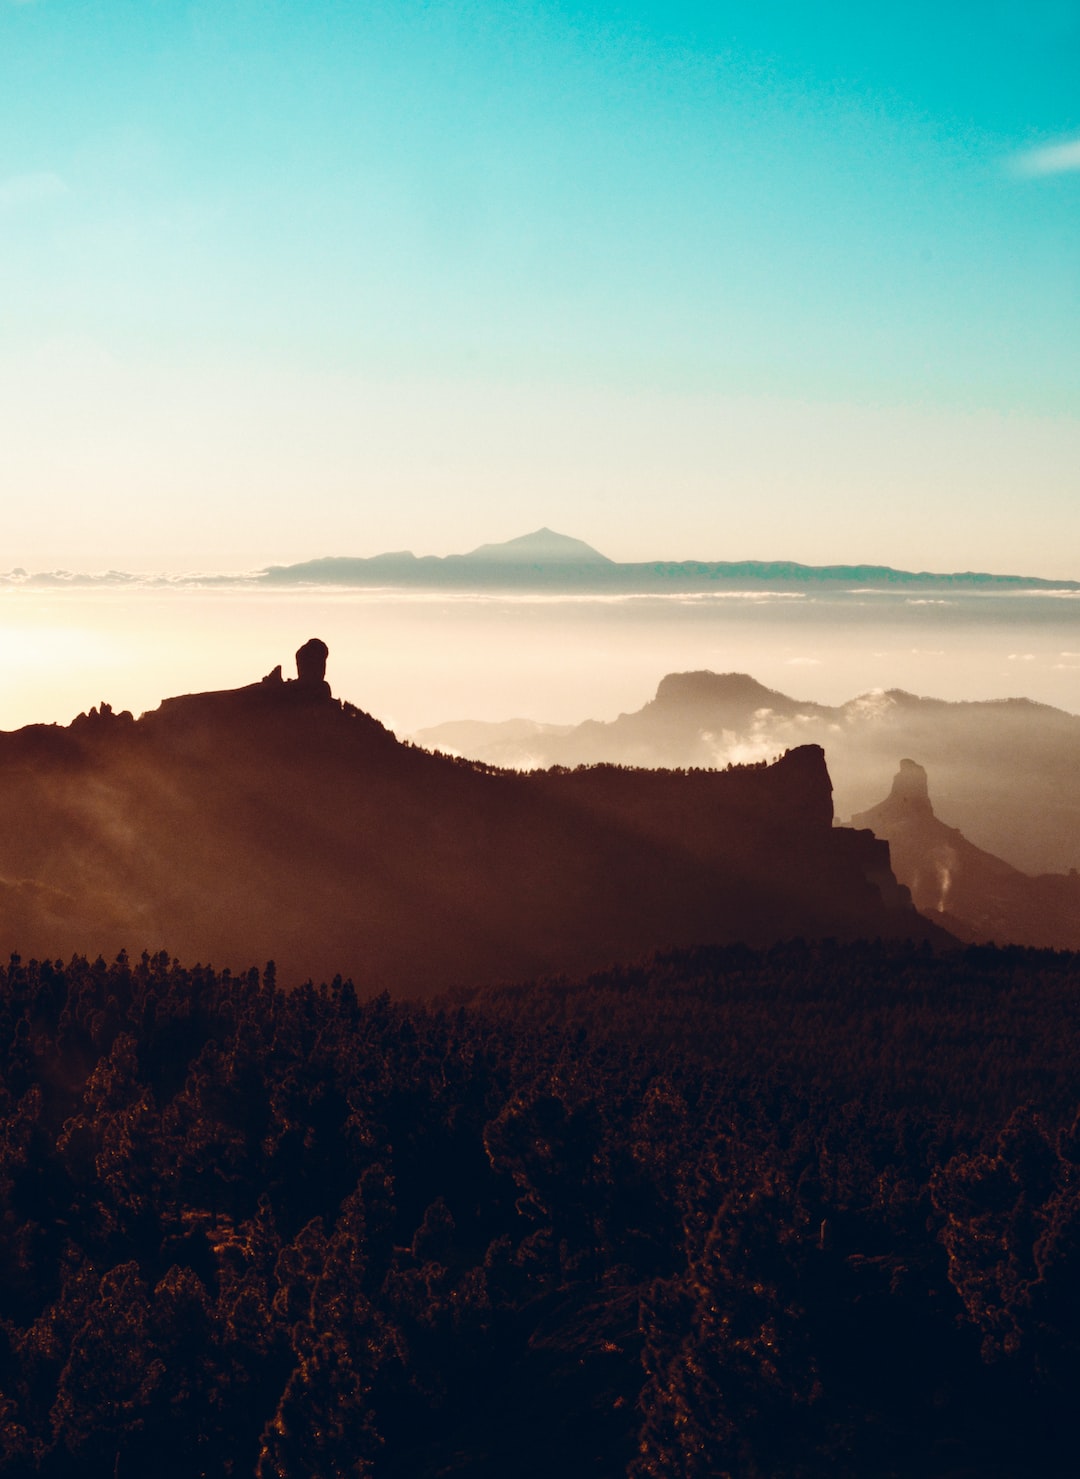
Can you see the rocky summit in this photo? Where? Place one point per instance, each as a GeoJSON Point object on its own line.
{"type": "Point", "coordinates": [975, 895]}
{"type": "Point", "coordinates": [274, 820]}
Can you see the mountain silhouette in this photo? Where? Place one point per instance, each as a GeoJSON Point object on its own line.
{"type": "Point", "coordinates": [551, 562]}
{"type": "Point", "coordinates": [275, 821]}
{"type": "Point", "coordinates": [977, 896]}
{"type": "Point", "coordinates": [543, 546]}
{"type": "Point", "coordinates": [1006, 770]}
{"type": "Point", "coordinates": [545, 560]}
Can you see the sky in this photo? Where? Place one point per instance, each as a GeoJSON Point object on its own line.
{"type": "Point", "coordinates": [715, 281]}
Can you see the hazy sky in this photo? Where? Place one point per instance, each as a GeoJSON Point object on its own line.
{"type": "Point", "coordinates": [746, 280]}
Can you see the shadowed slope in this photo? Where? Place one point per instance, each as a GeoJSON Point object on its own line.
{"type": "Point", "coordinates": [975, 895]}
{"type": "Point", "coordinates": [1007, 770]}
{"type": "Point", "coordinates": [273, 821]}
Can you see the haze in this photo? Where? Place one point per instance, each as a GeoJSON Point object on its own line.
{"type": "Point", "coordinates": [418, 658]}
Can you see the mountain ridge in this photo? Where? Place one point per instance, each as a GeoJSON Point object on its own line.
{"type": "Point", "coordinates": [276, 821]}
{"type": "Point", "coordinates": [545, 559]}
{"type": "Point", "coordinates": [548, 560]}
{"type": "Point", "coordinates": [1007, 770]}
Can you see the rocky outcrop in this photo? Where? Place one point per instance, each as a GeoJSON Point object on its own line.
{"type": "Point", "coordinates": [910, 794]}
{"type": "Point", "coordinates": [272, 692]}
{"type": "Point", "coordinates": [273, 821]}
{"type": "Point", "coordinates": [976, 896]}
{"type": "Point", "coordinates": [1007, 771]}
{"type": "Point", "coordinates": [311, 664]}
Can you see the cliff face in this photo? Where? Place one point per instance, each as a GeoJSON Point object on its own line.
{"type": "Point", "coordinates": [274, 822]}
{"type": "Point", "coordinates": [1007, 772]}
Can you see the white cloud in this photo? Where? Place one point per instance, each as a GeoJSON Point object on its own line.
{"type": "Point", "coordinates": [1051, 159]}
{"type": "Point", "coordinates": [31, 189]}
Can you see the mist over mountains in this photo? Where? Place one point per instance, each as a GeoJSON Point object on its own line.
{"type": "Point", "coordinates": [275, 821]}
{"type": "Point", "coordinates": [1005, 771]}
{"type": "Point", "coordinates": [976, 896]}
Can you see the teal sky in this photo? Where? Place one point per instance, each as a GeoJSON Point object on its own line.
{"type": "Point", "coordinates": [737, 280]}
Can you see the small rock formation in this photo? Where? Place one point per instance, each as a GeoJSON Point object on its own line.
{"type": "Point", "coordinates": [932, 858]}
{"type": "Point", "coordinates": [101, 718]}
{"type": "Point", "coordinates": [271, 694]}
{"type": "Point", "coordinates": [910, 793]}
{"type": "Point", "coordinates": [976, 895]}
{"type": "Point", "coordinates": [311, 664]}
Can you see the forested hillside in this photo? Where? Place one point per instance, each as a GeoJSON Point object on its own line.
{"type": "Point", "coordinates": [809, 1211]}
{"type": "Point", "coordinates": [1006, 771]}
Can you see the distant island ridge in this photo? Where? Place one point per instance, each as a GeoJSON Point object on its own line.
{"type": "Point", "coordinates": [548, 560]}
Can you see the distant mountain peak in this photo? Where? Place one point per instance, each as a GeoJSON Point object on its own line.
{"type": "Point", "coordinates": [908, 800]}
{"type": "Point", "coordinates": [976, 894]}
{"type": "Point", "coordinates": [542, 546]}
{"type": "Point", "coordinates": [704, 686]}
{"type": "Point", "coordinates": [909, 783]}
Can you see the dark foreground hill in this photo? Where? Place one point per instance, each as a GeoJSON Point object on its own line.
{"type": "Point", "coordinates": [808, 1213]}
{"type": "Point", "coordinates": [275, 821]}
{"type": "Point", "coordinates": [1006, 771]}
{"type": "Point", "coordinates": [976, 896]}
